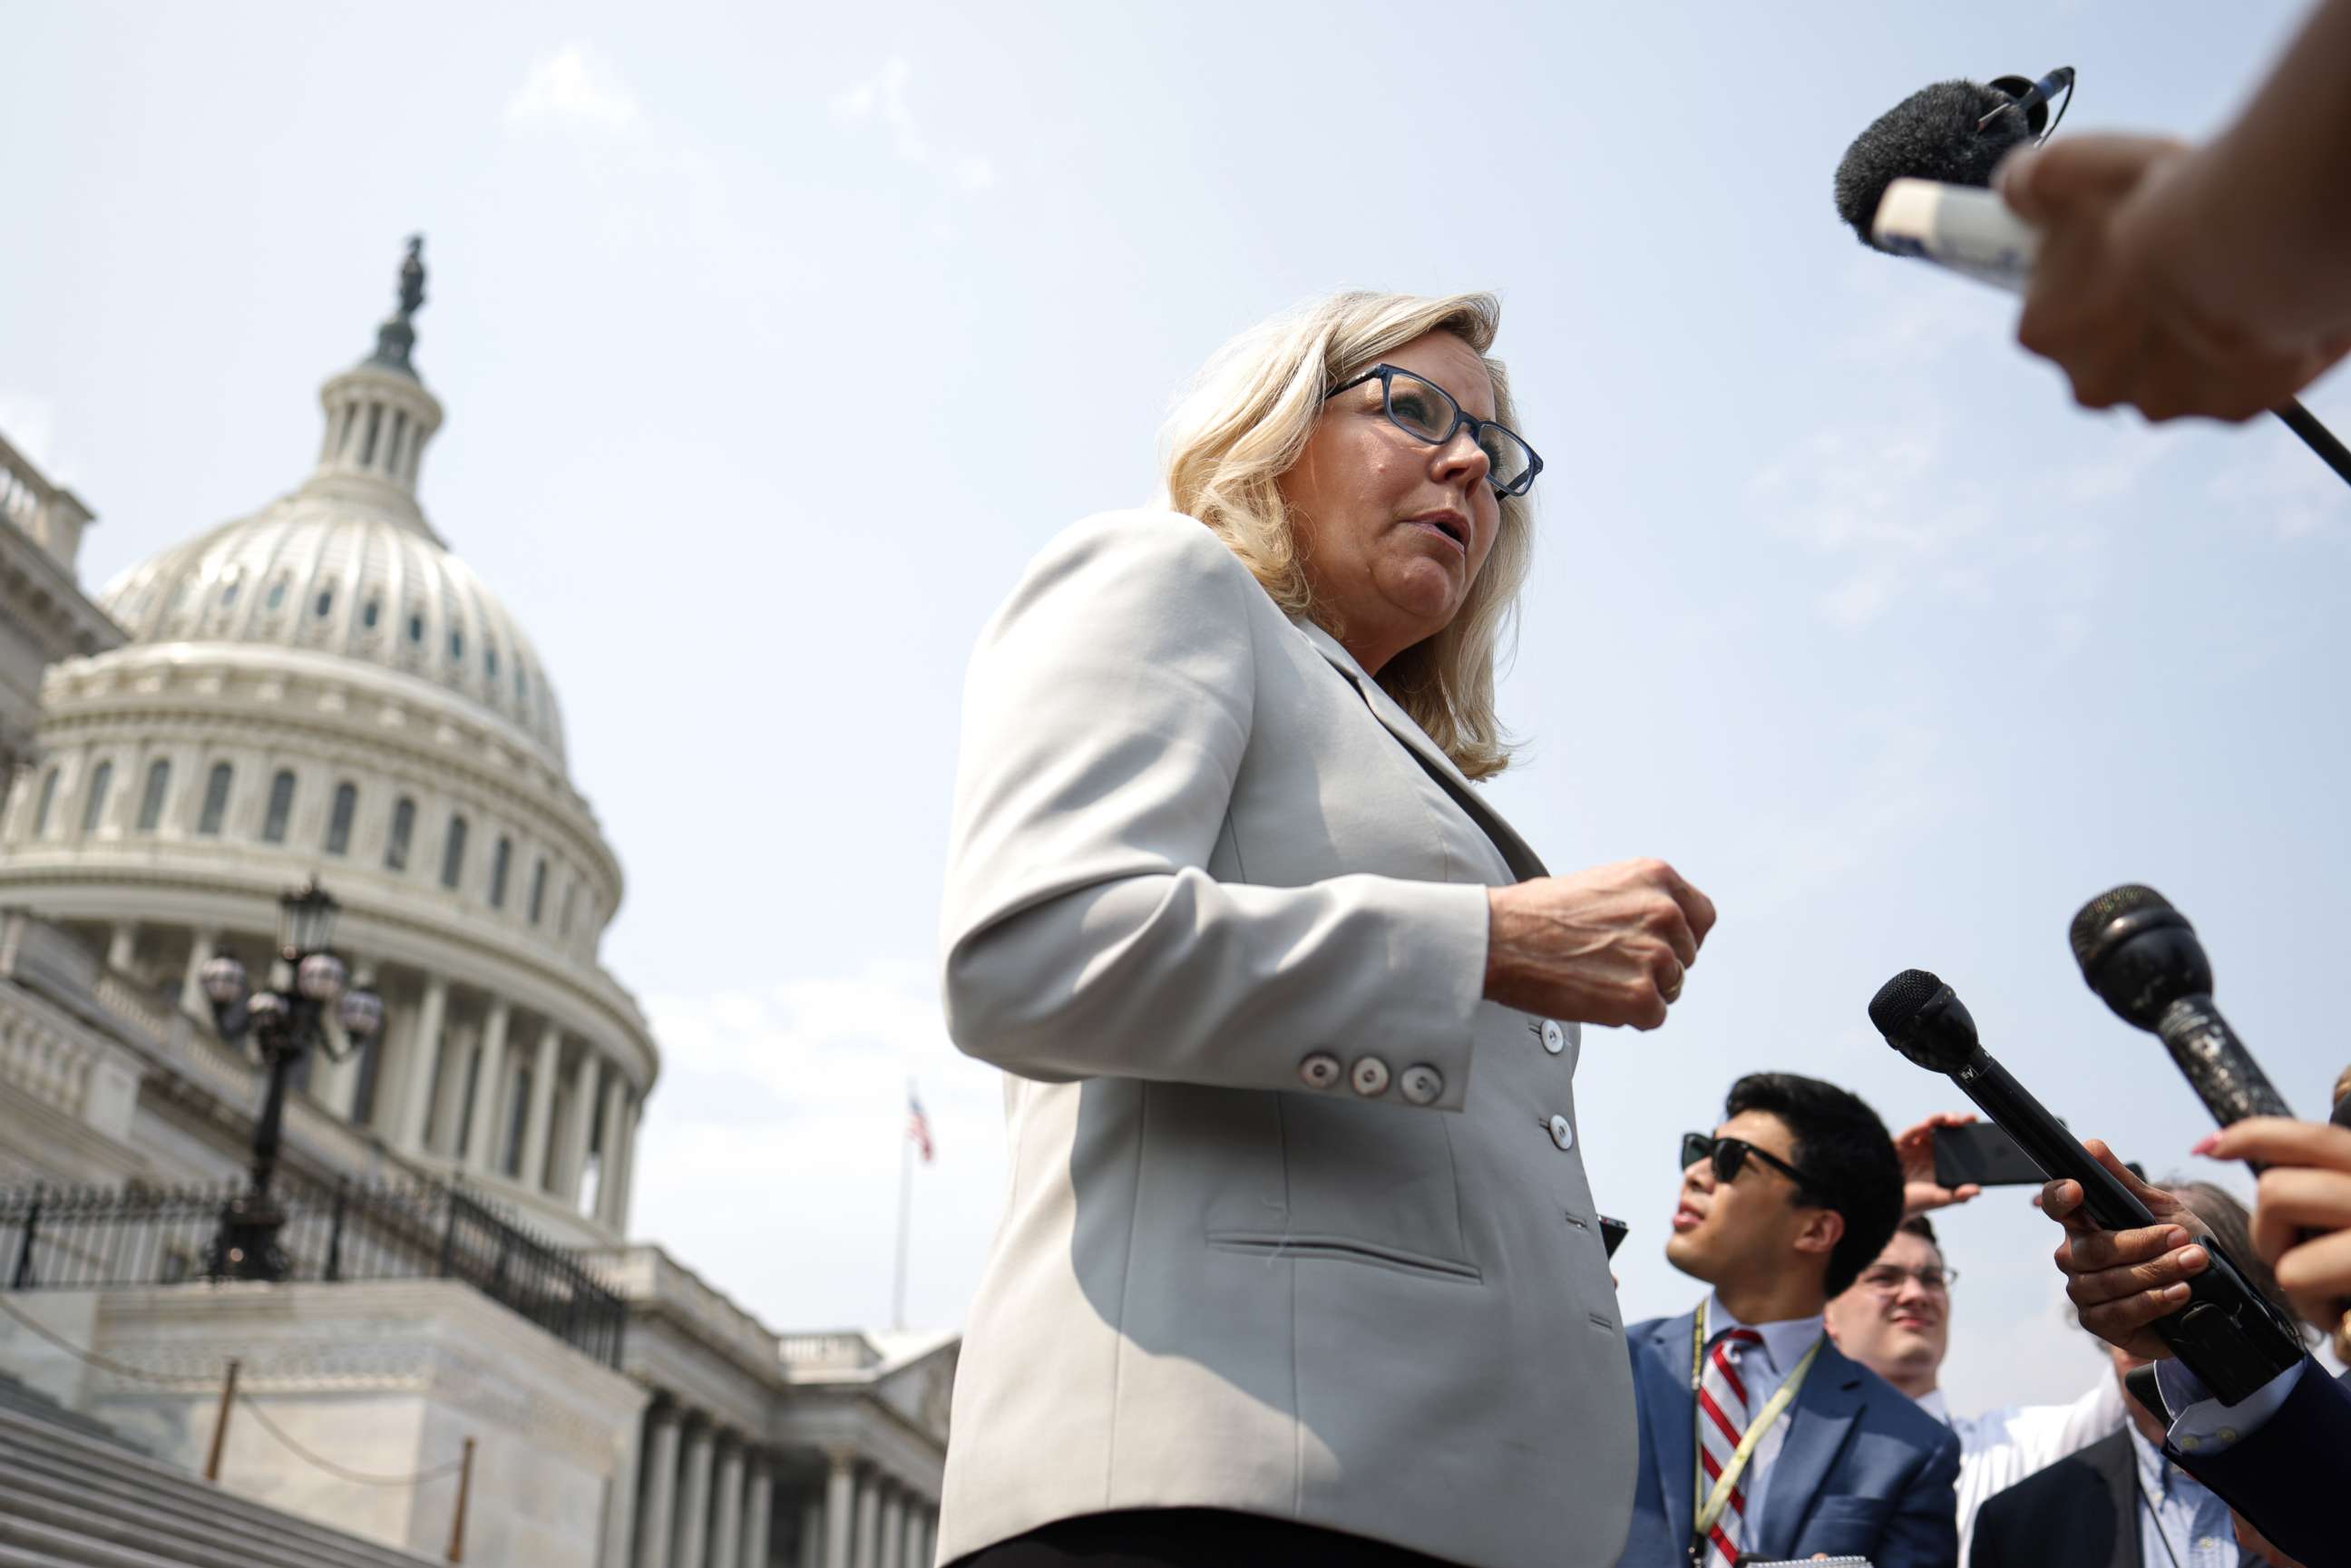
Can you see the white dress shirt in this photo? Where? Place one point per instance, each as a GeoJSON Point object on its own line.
{"type": "Point", "coordinates": [1763, 1368]}
{"type": "Point", "coordinates": [2001, 1448]}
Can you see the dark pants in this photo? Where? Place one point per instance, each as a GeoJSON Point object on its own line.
{"type": "Point", "coordinates": [1190, 1537]}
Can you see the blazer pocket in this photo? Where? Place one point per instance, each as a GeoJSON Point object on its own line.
{"type": "Point", "coordinates": [1274, 1246]}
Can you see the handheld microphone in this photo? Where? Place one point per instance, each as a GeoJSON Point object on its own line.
{"type": "Point", "coordinates": [1954, 133]}
{"type": "Point", "coordinates": [2141, 956]}
{"type": "Point", "coordinates": [2227, 1335]}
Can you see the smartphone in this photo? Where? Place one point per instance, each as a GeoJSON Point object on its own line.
{"type": "Point", "coordinates": [1980, 1153]}
{"type": "Point", "coordinates": [1612, 1233]}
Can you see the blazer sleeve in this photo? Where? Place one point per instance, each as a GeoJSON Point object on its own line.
{"type": "Point", "coordinates": [1105, 716]}
{"type": "Point", "coordinates": [1923, 1530]}
{"type": "Point", "coordinates": [2288, 1476]}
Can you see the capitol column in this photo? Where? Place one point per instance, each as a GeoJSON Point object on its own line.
{"type": "Point", "coordinates": [893, 1529]}
{"type": "Point", "coordinates": [123, 947]}
{"type": "Point", "coordinates": [693, 1506]}
{"type": "Point", "coordinates": [757, 1508]}
{"type": "Point", "coordinates": [727, 1516]}
{"type": "Point", "coordinates": [608, 1179]}
{"type": "Point", "coordinates": [661, 1488]}
{"type": "Point", "coordinates": [203, 944]}
{"type": "Point", "coordinates": [487, 1126]}
{"type": "Point", "coordinates": [424, 1051]}
{"type": "Point", "coordinates": [542, 1105]}
{"type": "Point", "coordinates": [869, 1519]}
{"type": "Point", "coordinates": [912, 1555]}
{"type": "Point", "coordinates": [573, 1160]}
{"type": "Point", "coordinates": [839, 1506]}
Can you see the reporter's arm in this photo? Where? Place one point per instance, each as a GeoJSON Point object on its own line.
{"type": "Point", "coordinates": [2256, 226]}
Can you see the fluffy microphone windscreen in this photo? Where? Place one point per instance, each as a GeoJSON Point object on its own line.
{"type": "Point", "coordinates": [1930, 135]}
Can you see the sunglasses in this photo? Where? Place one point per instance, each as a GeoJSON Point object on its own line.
{"type": "Point", "coordinates": [1730, 1156]}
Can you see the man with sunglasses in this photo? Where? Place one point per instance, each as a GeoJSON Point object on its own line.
{"type": "Point", "coordinates": [1759, 1438]}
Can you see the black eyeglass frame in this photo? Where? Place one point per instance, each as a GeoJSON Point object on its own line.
{"type": "Point", "coordinates": [1727, 1155]}
{"type": "Point", "coordinates": [1385, 374]}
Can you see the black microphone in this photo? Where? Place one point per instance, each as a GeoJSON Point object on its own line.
{"type": "Point", "coordinates": [1955, 133]}
{"type": "Point", "coordinates": [2227, 1335]}
{"type": "Point", "coordinates": [2142, 956]}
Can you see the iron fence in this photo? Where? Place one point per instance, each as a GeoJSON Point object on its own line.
{"type": "Point", "coordinates": [88, 1239]}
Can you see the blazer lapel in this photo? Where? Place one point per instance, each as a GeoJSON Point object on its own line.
{"type": "Point", "coordinates": [1523, 862]}
{"type": "Point", "coordinates": [1818, 1424]}
{"type": "Point", "coordinates": [1662, 1376]}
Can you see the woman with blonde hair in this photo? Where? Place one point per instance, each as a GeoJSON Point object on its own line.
{"type": "Point", "coordinates": [1298, 1262]}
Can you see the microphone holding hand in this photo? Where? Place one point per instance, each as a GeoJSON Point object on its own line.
{"type": "Point", "coordinates": [2211, 280]}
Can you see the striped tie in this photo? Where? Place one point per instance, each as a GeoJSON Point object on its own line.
{"type": "Point", "coordinates": [1722, 1416]}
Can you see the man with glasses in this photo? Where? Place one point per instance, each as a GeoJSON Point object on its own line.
{"type": "Point", "coordinates": [1896, 1321]}
{"type": "Point", "coordinates": [1759, 1436]}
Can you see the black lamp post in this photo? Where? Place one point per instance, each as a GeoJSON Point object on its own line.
{"type": "Point", "coordinates": [283, 1026]}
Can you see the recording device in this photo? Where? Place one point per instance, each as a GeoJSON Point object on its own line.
{"type": "Point", "coordinates": [2142, 958]}
{"type": "Point", "coordinates": [1980, 1153]}
{"type": "Point", "coordinates": [2342, 1116]}
{"type": "Point", "coordinates": [1917, 183]}
{"type": "Point", "coordinates": [2226, 1333]}
{"type": "Point", "coordinates": [1612, 1233]}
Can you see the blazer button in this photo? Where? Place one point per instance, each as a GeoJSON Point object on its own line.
{"type": "Point", "coordinates": [1371, 1077]}
{"type": "Point", "coordinates": [1421, 1084]}
{"type": "Point", "coordinates": [1320, 1070]}
{"type": "Point", "coordinates": [1562, 1133]}
{"type": "Point", "coordinates": [1554, 1038]}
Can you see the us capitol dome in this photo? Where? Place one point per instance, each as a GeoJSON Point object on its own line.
{"type": "Point", "coordinates": [323, 688]}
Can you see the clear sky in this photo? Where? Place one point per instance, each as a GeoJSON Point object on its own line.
{"type": "Point", "coordinates": [774, 340]}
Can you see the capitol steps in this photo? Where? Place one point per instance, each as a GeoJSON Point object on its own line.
{"type": "Point", "coordinates": [26, 1400]}
{"type": "Point", "coordinates": [67, 1499]}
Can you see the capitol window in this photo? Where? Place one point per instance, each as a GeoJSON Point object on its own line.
{"type": "Point", "coordinates": [48, 798]}
{"type": "Point", "coordinates": [452, 853]}
{"type": "Point", "coordinates": [403, 828]}
{"type": "Point", "coordinates": [456, 645]}
{"type": "Point", "coordinates": [276, 595]}
{"type": "Point", "coordinates": [339, 822]}
{"type": "Point", "coordinates": [367, 616]}
{"type": "Point", "coordinates": [281, 807]}
{"type": "Point", "coordinates": [416, 626]}
{"type": "Point", "coordinates": [325, 603]}
{"type": "Point", "coordinates": [151, 801]}
{"type": "Point", "coordinates": [93, 805]}
{"type": "Point", "coordinates": [216, 800]}
{"type": "Point", "coordinates": [537, 892]}
{"type": "Point", "coordinates": [498, 862]}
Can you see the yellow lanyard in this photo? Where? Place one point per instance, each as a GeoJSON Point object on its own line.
{"type": "Point", "coordinates": [1711, 1504]}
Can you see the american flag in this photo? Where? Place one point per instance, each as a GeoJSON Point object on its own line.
{"type": "Point", "coordinates": [918, 1126]}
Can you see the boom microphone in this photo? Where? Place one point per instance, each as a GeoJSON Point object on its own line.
{"type": "Point", "coordinates": [2142, 956]}
{"type": "Point", "coordinates": [1954, 133]}
{"type": "Point", "coordinates": [2227, 1335]}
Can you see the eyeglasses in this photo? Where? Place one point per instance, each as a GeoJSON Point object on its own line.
{"type": "Point", "coordinates": [1729, 1155]}
{"type": "Point", "coordinates": [1886, 1279]}
{"type": "Point", "coordinates": [1426, 411]}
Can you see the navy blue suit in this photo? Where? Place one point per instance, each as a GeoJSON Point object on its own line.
{"type": "Point", "coordinates": [1862, 1470]}
{"type": "Point", "coordinates": [2288, 1476]}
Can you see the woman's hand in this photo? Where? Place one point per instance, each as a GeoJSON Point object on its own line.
{"type": "Point", "coordinates": [2122, 1281]}
{"type": "Point", "coordinates": [1920, 1191]}
{"type": "Point", "coordinates": [1607, 945]}
{"type": "Point", "coordinates": [2307, 1188]}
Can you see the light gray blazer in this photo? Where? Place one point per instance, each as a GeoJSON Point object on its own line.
{"type": "Point", "coordinates": [1297, 1223]}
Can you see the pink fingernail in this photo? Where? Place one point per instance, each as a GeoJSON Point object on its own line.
{"type": "Point", "coordinates": [2211, 1142]}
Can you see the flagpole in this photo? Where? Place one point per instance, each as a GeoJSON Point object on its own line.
{"type": "Point", "coordinates": [905, 1212]}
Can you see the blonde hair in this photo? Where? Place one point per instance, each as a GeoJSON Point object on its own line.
{"type": "Point", "coordinates": [1244, 422]}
